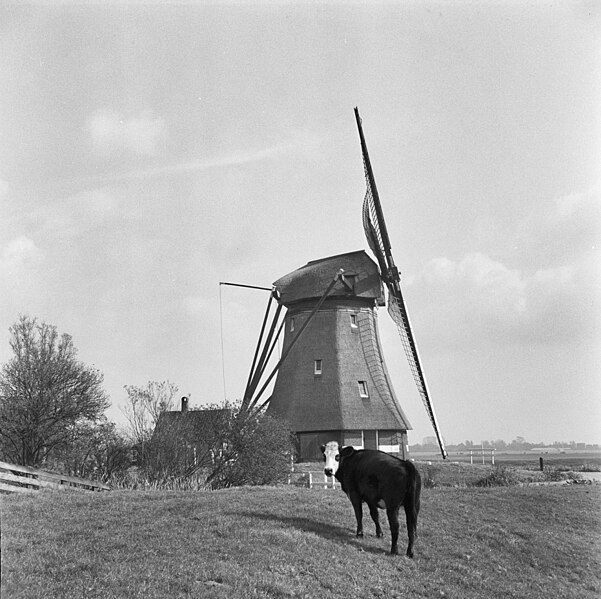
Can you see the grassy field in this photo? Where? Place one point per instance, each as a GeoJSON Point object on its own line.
{"type": "Point", "coordinates": [518, 541]}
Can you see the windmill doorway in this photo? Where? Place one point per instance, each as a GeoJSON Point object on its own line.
{"type": "Point", "coordinates": [370, 440]}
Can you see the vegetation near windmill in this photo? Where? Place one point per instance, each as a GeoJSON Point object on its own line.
{"type": "Point", "coordinates": [94, 450]}
{"type": "Point", "coordinates": [186, 444]}
{"type": "Point", "coordinates": [218, 445]}
{"type": "Point", "coordinates": [45, 393]}
{"type": "Point", "coordinates": [145, 405]}
{"type": "Point", "coordinates": [258, 451]}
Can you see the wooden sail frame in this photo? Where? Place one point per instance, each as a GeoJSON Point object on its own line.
{"type": "Point", "coordinates": [379, 242]}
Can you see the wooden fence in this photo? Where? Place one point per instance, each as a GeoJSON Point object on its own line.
{"type": "Point", "coordinates": [22, 479]}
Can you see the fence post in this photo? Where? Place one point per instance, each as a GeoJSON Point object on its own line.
{"type": "Point", "coordinates": [541, 464]}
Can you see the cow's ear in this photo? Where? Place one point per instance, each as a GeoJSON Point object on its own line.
{"type": "Point", "coordinates": [346, 452]}
{"type": "Point", "coordinates": [323, 448]}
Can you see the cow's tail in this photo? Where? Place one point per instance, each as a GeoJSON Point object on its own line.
{"type": "Point", "coordinates": [412, 500]}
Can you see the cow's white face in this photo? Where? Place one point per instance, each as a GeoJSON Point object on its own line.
{"type": "Point", "coordinates": [331, 455]}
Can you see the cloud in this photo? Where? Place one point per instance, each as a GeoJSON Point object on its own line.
{"type": "Point", "coordinates": [564, 230]}
{"type": "Point", "coordinates": [236, 158]}
{"type": "Point", "coordinates": [112, 133]}
{"type": "Point", "coordinates": [18, 255]}
{"type": "Point", "coordinates": [76, 215]}
{"type": "Point", "coordinates": [581, 205]}
{"type": "Point", "coordinates": [550, 294]}
{"type": "Point", "coordinates": [20, 273]}
{"type": "Point", "coordinates": [4, 187]}
{"type": "Point", "coordinates": [478, 298]}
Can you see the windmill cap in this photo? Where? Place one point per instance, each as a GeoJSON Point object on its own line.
{"type": "Point", "coordinates": [360, 279]}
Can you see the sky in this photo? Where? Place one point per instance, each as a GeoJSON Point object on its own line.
{"type": "Point", "coordinates": [151, 151]}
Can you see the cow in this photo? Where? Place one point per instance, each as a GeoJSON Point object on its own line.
{"type": "Point", "coordinates": [380, 480]}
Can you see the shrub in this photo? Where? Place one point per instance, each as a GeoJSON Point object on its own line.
{"type": "Point", "coordinates": [136, 480]}
{"type": "Point", "coordinates": [590, 468]}
{"type": "Point", "coordinates": [430, 476]}
{"type": "Point", "coordinates": [553, 474]}
{"type": "Point", "coordinates": [258, 451]}
{"type": "Point", "coordinates": [500, 476]}
{"type": "Point", "coordinates": [216, 447]}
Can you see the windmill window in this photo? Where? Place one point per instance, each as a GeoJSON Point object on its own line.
{"type": "Point", "coordinates": [363, 389]}
{"type": "Point", "coordinates": [353, 320]}
{"type": "Point", "coordinates": [291, 324]}
{"type": "Point", "coordinates": [318, 365]}
{"type": "Point", "coordinates": [388, 437]}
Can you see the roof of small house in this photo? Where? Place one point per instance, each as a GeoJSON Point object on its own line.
{"type": "Point", "coordinates": [361, 279]}
{"type": "Point", "coordinates": [190, 425]}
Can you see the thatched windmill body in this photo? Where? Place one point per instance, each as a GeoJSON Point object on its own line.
{"type": "Point", "coordinates": [334, 383]}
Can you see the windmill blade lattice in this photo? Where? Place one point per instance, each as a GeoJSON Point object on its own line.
{"type": "Point", "coordinates": [379, 243]}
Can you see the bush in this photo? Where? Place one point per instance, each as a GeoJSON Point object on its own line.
{"type": "Point", "coordinates": [430, 476]}
{"type": "Point", "coordinates": [185, 442]}
{"type": "Point", "coordinates": [217, 447]}
{"type": "Point", "coordinates": [258, 451]}
{"type": "Point", "coordinates": [590, 468]}
{"type": "Point", "coordinates": [136, 480]}
{"type": "Point", "coordinates": [94, 450]}
{"type": "Point", "coordinates": [553, 474]}
{"type": "Point", "coordinates": [500, 476]}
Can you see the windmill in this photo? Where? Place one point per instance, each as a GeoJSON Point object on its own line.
{"type": "Point", "coordinates": [332, 381]}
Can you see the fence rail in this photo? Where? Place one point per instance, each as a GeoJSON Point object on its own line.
{"type": "Point", "coordinates": [312, 480]}
{"type": "Point", "coordinates": [23, 479]}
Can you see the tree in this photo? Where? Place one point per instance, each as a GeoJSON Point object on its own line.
{"type": "Point", "coordinates": [145, 405]}
{"type": "Point", "coordinates": [44, 392]}
{"type": "Point", "coordinates": [94, 450]}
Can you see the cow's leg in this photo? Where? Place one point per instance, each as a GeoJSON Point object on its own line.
{"type": "Point", "coordinates": [358, 507]}
{"type": "Point", "coordinates": [393, 521]}
{"type": "Point", "coordinates": [375, 516]}
{"type": "Point", "coordinates": [411, 515]}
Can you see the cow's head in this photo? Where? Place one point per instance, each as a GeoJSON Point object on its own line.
{"type": "Point", "coordinates": [332, 455]}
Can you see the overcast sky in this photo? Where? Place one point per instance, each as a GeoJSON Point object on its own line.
{"type": "Point", "coordinates": [149, 152]}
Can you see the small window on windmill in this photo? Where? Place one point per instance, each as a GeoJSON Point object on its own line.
{"type": "Point", "coordinates": [363, 389]}
{"type": "Point", "coordinates": [291, 324]}
{"type": "Point", "coordinates": [353, 321]}
{"type": "Point", "coordinates": [318, 365]}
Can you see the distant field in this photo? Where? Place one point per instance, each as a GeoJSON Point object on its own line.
{"type": "Point", "coordinates": [275, 542]}
{"type": "Point", "coordinates": [572, 458]}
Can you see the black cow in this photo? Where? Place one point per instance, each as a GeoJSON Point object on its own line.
{"type": "Point", "coordinates": [382, 481]}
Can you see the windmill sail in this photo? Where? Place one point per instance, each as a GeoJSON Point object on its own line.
{"type": "Point", "coordinates": [379, 243]}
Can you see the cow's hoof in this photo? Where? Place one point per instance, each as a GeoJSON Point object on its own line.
{"type": "Point", "coordinates": [379, 534]}
{"type": "Point", "coordinates": [394, 551]}
{"type": "Point", "coordinates": [410, 554]}
{"type": "Point", "coordinates": [359, 535]}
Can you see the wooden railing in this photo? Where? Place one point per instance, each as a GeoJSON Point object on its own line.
{"type": "Point", "coordinates": [23, 479]}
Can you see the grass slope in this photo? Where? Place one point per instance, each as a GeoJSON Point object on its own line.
{"type": "Point", "coordinates": [534, 542]}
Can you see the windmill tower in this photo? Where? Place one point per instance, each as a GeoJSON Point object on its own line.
{"type": "Point", "coordinates": [334, 384]}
